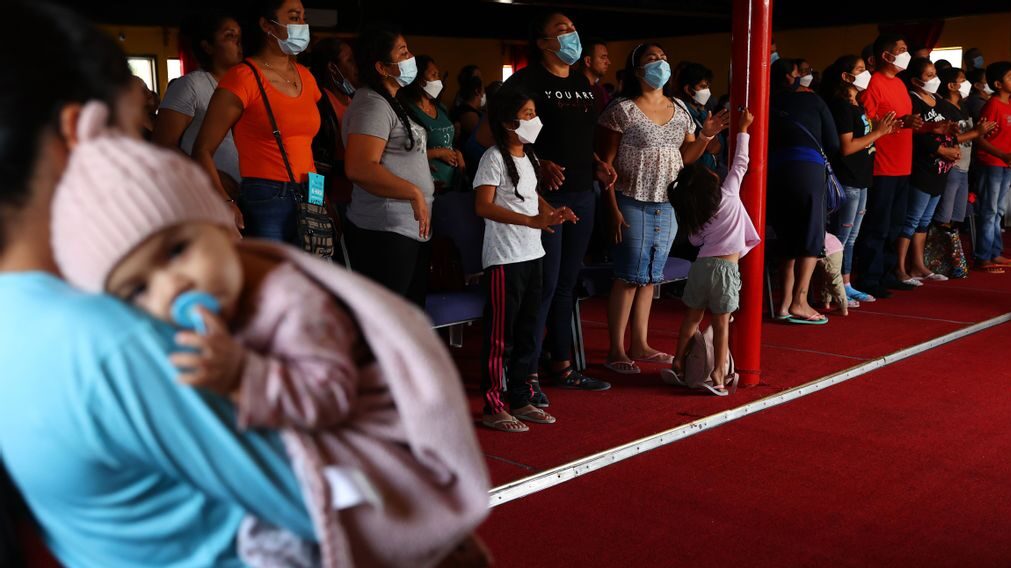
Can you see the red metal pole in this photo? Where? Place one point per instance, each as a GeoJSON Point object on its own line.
{"type": "Point", "coordinates": [750, 44]}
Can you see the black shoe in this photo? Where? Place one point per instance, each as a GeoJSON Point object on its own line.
{"type": "Point", "coordinates": [538, 398]}
{"type": "Point", "coordinates": [572, 379]}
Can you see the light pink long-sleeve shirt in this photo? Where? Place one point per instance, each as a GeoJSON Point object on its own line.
{"type": "Point", "coordinates": [730, 230]}
{"type": "Point", "coordinates": [394, 410]}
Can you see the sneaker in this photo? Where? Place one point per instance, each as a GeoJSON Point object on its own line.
{"type": "Point", "coordinates": [538, 398]}
{"type": "Point", "coordinates": [572, 379]}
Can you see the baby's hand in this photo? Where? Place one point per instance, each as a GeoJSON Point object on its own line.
{"type": "Point", "coordinates": [216, 360]}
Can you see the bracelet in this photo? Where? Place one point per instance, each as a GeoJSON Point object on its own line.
{"type": "Point", "coordinates": [706, 138]}
{"type": "Point", "coordinates": [229, 200]}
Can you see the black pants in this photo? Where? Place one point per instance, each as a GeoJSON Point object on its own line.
{"type": "Point", "coordinates": [875, 258]}
{"type": "Point", "coordinates": [510, 333]}
{"type": "Point", "coordinates": [400, 263]}
{"type": "Point", "coordinates": [563, 259]}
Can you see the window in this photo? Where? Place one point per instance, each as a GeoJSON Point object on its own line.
{"type": "Point", "coordinates": [143, 67]}
{"type": "Point", "coordinates": [952, 54]}
{"type": "Point", "coordinates": [175, 69]}
{"type": "Point", "coordinates": [507, 71]}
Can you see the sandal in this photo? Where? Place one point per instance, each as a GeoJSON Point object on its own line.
{"type": "Point", "coordinates": [623, 367]}
{"type": "Point", "coordinates": [816, 319]}
{"type": "Point", "coordinates": [537, 396]}
{"type": "Point", "coordinates": [569, 378]}
{"type": "Point", "coordinates": [510, 424]}
{"type": "Point", "coordinates": [658, 357]}
{"type": "Point", "coordinates": [535, 415]}
{"type": "Point", "coordinates": [991, 268]}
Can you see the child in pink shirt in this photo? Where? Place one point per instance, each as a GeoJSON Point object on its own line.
{"type": "Point", "coordinates": [369, 405]}
{"type": "Point", "coordinates": [716, 220]}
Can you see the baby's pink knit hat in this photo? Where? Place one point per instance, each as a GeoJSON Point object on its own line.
{"type": "Point", "coordinates": [116, 192]}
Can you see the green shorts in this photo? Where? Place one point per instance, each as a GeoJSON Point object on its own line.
{"type": "Point", "coordinates": [715, 284]}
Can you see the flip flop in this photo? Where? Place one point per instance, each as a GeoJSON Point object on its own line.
{"type": "Point", "coordinates": [817, 319]}
{"type": "Point", "coordinates": [669, 377]}
{"type": "Point", "coordinates": [623, 367]}
{"type": "Point", "coordinates": [658, 357]}
{"type": "Point", "coordinates": [499, 424]}
{"type": "Point", "coordinates": [537, 416]}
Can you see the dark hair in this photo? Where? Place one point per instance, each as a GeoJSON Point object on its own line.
{"type": "Point", "coordinates": [942, 64]}
{"type": "Point", "coordinates": [630, 87]}
{"type": "Point", "coordinates": [200, 28]}
{"type": "Point", "coordinates": [376, 44]}
{"type": "Point", "coordinates": [491, 88]}
{"type": "Point", "coordinates": [588, 47]}
{"type": "Point", "coordinates": [995, 72]}
{"type": "Point", "coordinates": [696, 197]}
{"type": "Point", "coordinates": [325, 52]}
{"type": "Point", "coordinates": [466, 73]}
{"type": "Point", "coordinates": [867, 52]}
{"type": "Point", "coordinates": [832, 84]}
{"type": "Point", "coordinates": [504, 107]}
{"type": "Point", "coordinates": [413, 92]}
{"type": "Point", "coordinates": [885, 42]}
{"type": "Point", "coordinates": [691, 74]}
{"type": "Point", "coordinates": [949, 75]}
{"type": "Point", "coordinates": [915, 70]}
{"type": "Point", "coordinates": [536, 33]}
{"type": "Point", "coordinates": [976, 76]}
{"type": "Point", "coordinates": [470, 89]}
{"type": "Point", "coordinates": [253, 38]}
{"type": "Point", "coordinates": [780, 69]}
{"type": "Point", "coordinates": [90, 66]}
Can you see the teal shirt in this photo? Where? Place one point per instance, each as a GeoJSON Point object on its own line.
{"type": "Point", "coordinates": [440, 135]}
{"type": "Point", "coordinates": [122, 465]}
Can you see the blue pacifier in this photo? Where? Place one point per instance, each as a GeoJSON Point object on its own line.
{"type": "Point", "coordinates": [185, 313]}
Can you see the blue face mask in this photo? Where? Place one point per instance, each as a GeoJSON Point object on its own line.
{"type": "Point", "coordinates": [297, 41]}
{"type": "Point", "coordinates": [978, 61]}
{"type": "Point", "coordinates": [775, 57]}
{"type": "Point", "coordinates": [408, 72]}
{"type": "Point", "coordinates": [656, 73]}
{"type": "Point", "coordinates": [570, 48]}
{"type": "Point", "coordinates": [344, 85]}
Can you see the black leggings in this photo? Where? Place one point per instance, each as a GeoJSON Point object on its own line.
{"type": "Point", "coordinates": [400, 263]}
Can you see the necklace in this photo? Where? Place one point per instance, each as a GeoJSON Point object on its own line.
{"type": "Point", "coordinates": [283, 78]}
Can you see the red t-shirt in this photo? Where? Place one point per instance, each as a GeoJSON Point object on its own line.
{"type": "Point", "coordinates": [997, 111]}
{"type": "Point", "coordinates": [894, 156]}
{"type": "Point", "coordinates": [297, 119]}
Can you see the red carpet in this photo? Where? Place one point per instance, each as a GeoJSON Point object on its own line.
{"type": "Point", "coordinates": [906, 466]}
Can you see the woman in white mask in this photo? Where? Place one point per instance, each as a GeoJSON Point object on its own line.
{"type": "Point", "coordinates": [422, 98]}
{"type": "Point", "coordinates": [692, 86]}
{"type": "Point", "coordinates": [854, 164]}
{"type": "Point", "coordinates": [647, 138]}
{"type": "Point", "coordinates": [271, 180]}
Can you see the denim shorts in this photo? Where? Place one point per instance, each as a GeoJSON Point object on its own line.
{"type": "Point", "coordinates": [640, 257]}
{"type": "Point", "coordinates": [268, 208]}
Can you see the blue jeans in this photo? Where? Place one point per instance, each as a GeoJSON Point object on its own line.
{"type": "Point", "coordinates": [919, 212]}
{"type": "Point", "coordinates": [848, 219]}
{"type": "Point", "coordinates": [268, 208]}
{"type": "Point", "coordinates": [993, 189]}
{"type": "Point", "coordinates": [642, 254]}
{"type": "Point", "coordinates": [955, 198]}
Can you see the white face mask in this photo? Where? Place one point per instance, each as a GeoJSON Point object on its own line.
{"type": "Point", "coordinates": [902, 60]}
{"type": "Point", "coordinates": [964, 88]}
{"type": "Point", "coordinates": [987, 89]}
{"type": "Point", "coordinates": [433, 88]}
{"type": "Point", "coordinates": [806, 80]}
{"type": "Point", "coordinates": [529, 129]}
{"type": "Point", "coordinates": [862, 80]}
{"type": "Point", "coordinates": [484, 100]}
{"type": "Point", "coordinates": [702, 97]}
{"type": "Point", "coordinates": [298, 39]}
{"type": "Point", "coordinates": [932, 85]}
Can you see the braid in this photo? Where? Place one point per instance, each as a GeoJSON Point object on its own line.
{"type": "Point", "coordinates": [510, 164]}
{"type": "Point", "coordinates": [401, 114]}
{"type": "Point", "coordinates": [529, 149]}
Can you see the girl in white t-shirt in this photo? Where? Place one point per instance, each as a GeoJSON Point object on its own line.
{"type": "Point", "coordinates": [515, 214]}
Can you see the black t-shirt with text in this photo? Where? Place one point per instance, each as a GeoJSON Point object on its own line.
{"type": "Point", "coordinates": [566, 106]}
{"type": "Point", "coordinates": [857, 169]}
{"type": "Point", "coordinates": [930, 171]}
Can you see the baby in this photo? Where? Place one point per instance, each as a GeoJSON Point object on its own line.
{"type": "Point", "coordinates": [370, 407]}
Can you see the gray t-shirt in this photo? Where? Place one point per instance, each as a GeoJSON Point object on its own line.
{"type": "Point", "coordinates": [505, 243]}
{"type": "Point", "coordinates": [189, 95]}
{"type": "Point", "coordinates": [371, 115]}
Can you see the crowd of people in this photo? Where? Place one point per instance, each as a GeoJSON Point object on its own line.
{"type": "Point", "coordinates": [312, 377]}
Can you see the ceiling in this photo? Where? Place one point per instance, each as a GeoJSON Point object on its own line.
{"type": "Point", "coordinates": [607, 19]}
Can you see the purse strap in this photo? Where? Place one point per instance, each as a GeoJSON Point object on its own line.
{"type": "Point", "coordinates": [273, 122]}
{"type": "Point", "coordinates": [817, 143]}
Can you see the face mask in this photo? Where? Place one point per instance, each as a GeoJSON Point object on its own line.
{"type": "Point", "coordinates": [775, 57]}
{"type": "Point", "coordinates": [862, 80]}
{"type": "Point", "coordinates": [529, 129]}
{"type": "Point", "coordinates": [702, 97]}
{"type": "Point", "coordinates": [902, 60]}
{"type": "Point", "coordinates": [298, 39]}
{"type": "Point", "coordinates": [569, 48]}
{"type": "Point", "coordinates": [987, 89]}
{"type": "Point", "coordinates": [964, 88]}
{"type": "Point", "coordinates": [806, 80]}
{"type": "Point", "coordinates": [484, 100]}
{"type": "Point", "coordinates": [932, 85]}
{"type": "Point", "coordinates": [656, 74]}
{"type": "Point", "coordinates": [343, 85]}
{"type": "Point", "coordinates": [433, 88]}
{"type": "Point", "coordinates": [408, 72]}
{"type": "Point", "coordinates": [978, 61]}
